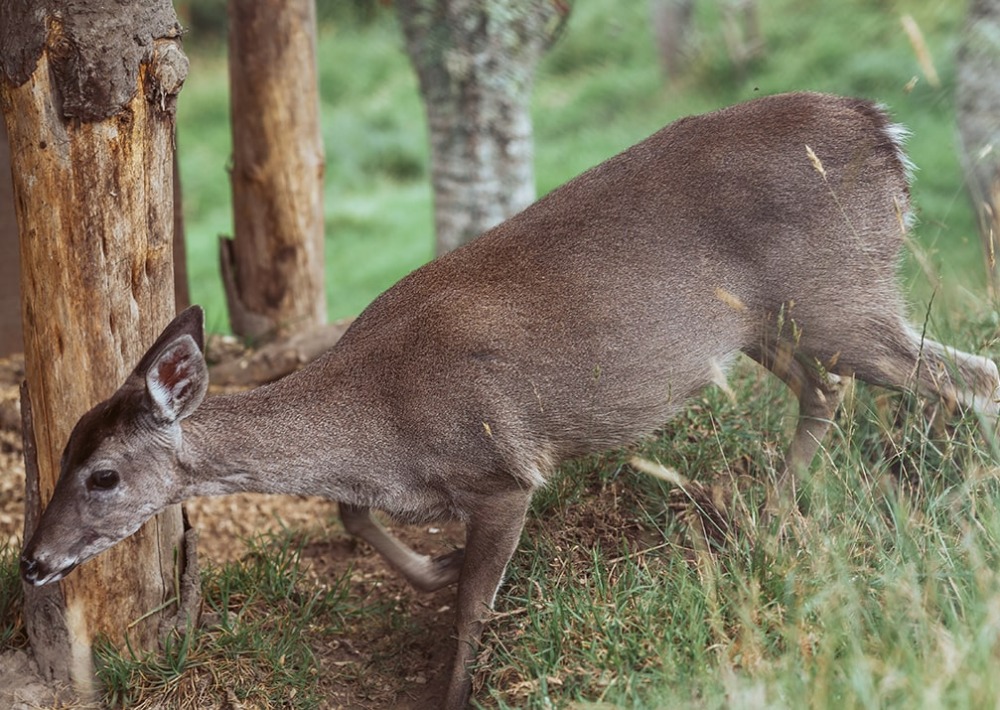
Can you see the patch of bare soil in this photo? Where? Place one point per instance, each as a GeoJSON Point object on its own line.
{"type": "Point", "coordinates": [21, 688]}
{"type": "Point", "coordinates": [398, 658]}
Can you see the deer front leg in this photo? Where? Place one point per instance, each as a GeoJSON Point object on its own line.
{"type": "Point", "coordinates": [491, 538]}
{"type": "Point", "coordinates": [423, 572]}
{"type": "Point", "coordinates": [819, 394]}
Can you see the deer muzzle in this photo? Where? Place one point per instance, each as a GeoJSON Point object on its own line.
{"type": "Point", "coordinates": [37, 573]}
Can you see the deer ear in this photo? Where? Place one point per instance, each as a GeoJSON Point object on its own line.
{"type": "Point", "coordinates": [177, 379]}
{"type": "Point", "coordinates": [190, 322]}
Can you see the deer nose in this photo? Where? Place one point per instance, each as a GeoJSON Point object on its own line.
{"type": "Point", "coordinates": [29, 569]}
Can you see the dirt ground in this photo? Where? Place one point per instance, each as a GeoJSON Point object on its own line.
{"type": "Point", "coordinates": [358, 672]}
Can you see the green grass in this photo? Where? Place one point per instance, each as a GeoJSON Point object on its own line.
{"type": "Point", "coordinates": [886, 594]}
{"type": "Point", "coordinates": [12, 633]}
{"type": "Point", "coordinates": [249, 648]}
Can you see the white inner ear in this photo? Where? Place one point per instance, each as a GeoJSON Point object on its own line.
{"type": "Point", "coordinates": [161, 394]}
{"type": "Point", "coordinates": [172, 381]}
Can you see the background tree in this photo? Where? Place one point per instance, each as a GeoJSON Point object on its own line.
{"type": "Point", "coordinates": [978, 113]}
{"type": "Point", "coordinates": [674, 33]}
{"type": "Point", "coordinates": [10, 264]}
{"type": "Point", "coordinates": [475, 61]}
{"type": "Point", "coordinates": [88, 90]}
{"type": "Point", "coordinates": [673, 24]}
{"type": "Point", "coordinates": [273, 267]}
{"type": "Point", "coordinates": [741, 33]}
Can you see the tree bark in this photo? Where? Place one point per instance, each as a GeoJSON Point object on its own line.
{"type": "Point", "coordinates": [273, 268]}
{"type": "Point", "coordinates": [475, 61]}
{"type": "Point", "coordinates": [88, 91]}
{"type": "Point", "coordinates": [10, 278]}
{"type": "Point", "coordinates": [978, 112]}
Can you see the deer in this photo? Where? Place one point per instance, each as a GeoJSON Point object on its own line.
{"type": "Point", "coordinates": [770, 228]}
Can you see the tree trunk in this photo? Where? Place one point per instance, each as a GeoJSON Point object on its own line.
{"type": "Point", "coordinates": [273, 268]}
{"type": "Point", "coordinates": [978, 111]}
{"type": "Point", "coordinates": [10, 278]}
{"type": "Point", "coordinates": [88, 92]}
{"type": "Point", "coordinates": [475, 61]}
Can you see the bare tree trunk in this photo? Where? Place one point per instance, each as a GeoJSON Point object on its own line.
{"type": "Point", "coordinates": [475, 60]}
{"type": "Point", "coordinates": [10, 264]}
{"type": "Point", "coordinates": [273, 268]}
{"type": "Point", "coordinates": [978, 110]}
{"type": "Point", "coordinates": [88, 92]}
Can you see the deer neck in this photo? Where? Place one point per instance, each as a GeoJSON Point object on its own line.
{"type": "Point", "coordinates": [269, 441]}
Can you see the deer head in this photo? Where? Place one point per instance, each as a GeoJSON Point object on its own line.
{"type": "Point", "coordinates": [120, 465]}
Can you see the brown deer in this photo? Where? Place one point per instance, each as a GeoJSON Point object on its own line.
{"type": "Point", "coordinates": [770, 228]}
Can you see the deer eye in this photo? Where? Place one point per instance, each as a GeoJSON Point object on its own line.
{"type": "Point", "coordinates": [104, 479]}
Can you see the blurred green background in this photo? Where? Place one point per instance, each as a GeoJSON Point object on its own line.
{"type": "Point", "coordinates": [599, 90]}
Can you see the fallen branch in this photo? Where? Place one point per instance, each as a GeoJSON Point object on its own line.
{"type": "Point", "coordinates": [277, 359]}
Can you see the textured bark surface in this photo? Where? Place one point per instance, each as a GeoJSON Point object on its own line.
{"type": "Point", "coordinates": [89, 105]}
{"type": "Point", "coordinates": [978, 112]}
{"type": "Point", "coordinates": [475, 60]}
{"type": "Point", "coordinates": [10, 263]}
{"type": "Point", "coordinates": [273, 269]}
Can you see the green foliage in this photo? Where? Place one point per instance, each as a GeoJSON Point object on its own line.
{"type": "Point", "coordinates": [11, 599]}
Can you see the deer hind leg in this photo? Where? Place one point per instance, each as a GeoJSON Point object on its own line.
{"type": "Point", "coordinates": [423, 572]}
{"type": "Point", "coordinates": [902, 359]}
{"type": "Point", "coordinates": [819, 393]}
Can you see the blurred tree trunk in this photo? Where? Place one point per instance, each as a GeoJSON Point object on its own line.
{"type": "Point", "coordinates": [475, 61]}
{"type": "Point", "coordinates": [741, 33]}
{"type": "Point", "coordinates": [672, 29]}
{"type": "Point", "coordinates": [10, 264]}
{"type": "Point", "coordinates": [88, 91]}
{"type": "Point", "coordinates": [978, 112]}
{"type": "Point", "coordinates": [273, 267]}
